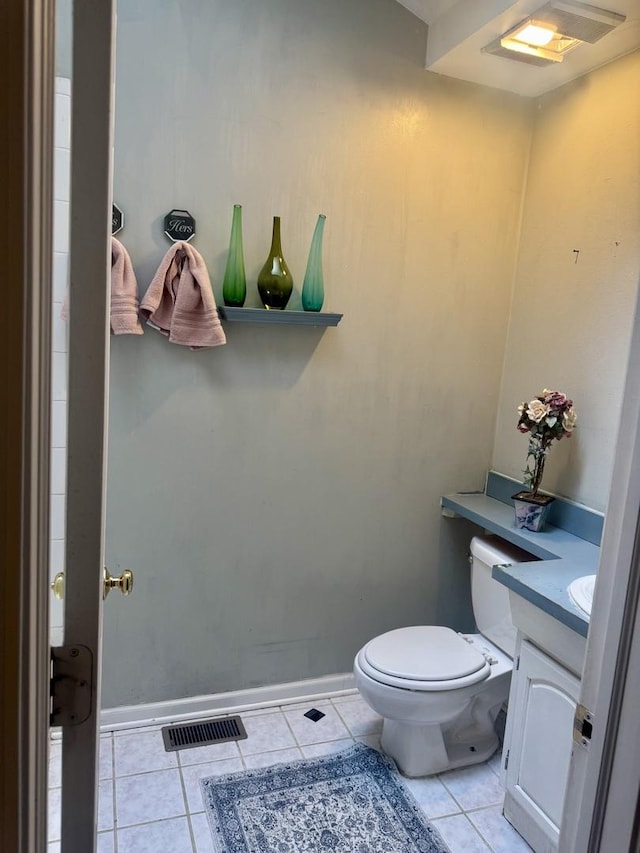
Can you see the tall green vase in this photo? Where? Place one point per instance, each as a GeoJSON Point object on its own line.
{"type": "Point", "coordinates": [234, 284]}
{"type": "Point", "coordinates": [313, 284]}
{"type": "Point", "coordinates": [275, 282]}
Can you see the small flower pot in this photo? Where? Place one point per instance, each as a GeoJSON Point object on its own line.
{"type": "Point", "coordinates": [531, 510]}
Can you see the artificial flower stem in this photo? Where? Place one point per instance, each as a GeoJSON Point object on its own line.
{"type": "Point", "coordinates": [539, 470]}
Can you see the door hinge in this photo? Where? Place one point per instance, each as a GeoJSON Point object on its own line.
{"type": "Point", "coordinates": [506, 759]}
{"type": "Point", "coordinates": [582, 726]}
{"type": "Point", "coordinates": [518, 663]}
{"type": "Point", "coordinates": [71, 685]}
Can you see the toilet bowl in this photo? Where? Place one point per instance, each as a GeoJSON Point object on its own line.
{"type": "Point", "coordinates": [438, 691]}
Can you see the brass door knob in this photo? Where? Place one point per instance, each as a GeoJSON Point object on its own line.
{"type": "Point", "coordinates": [57, 586]}
{"type": "Point", "coordinates": [124, 583]}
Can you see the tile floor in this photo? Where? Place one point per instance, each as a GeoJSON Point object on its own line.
{"type": "Point", "coordinates": [150, 800]}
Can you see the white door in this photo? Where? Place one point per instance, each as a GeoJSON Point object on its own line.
{"type": "Point", "coordinates": [77, 710]}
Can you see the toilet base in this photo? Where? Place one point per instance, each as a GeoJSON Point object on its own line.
{"type": "Point", "coordinates": [423, 751]}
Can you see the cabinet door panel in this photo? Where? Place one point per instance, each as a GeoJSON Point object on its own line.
{"type": "Point", "coordinates": [546, 746]}
{"type": "Point", "coordinates": [540, 752]}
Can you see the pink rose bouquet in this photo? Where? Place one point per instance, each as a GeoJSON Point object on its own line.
{"type": "Point", "coordinates": [547, 418]}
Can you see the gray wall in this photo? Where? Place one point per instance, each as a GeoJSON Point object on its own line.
{"type": "Point", "coordinates": [278, 497]}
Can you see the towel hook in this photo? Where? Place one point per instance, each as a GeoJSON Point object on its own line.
{"type": "Point", "coordinates": [117, 220]}
{"type": "Point", "coordinates": [179, 225]}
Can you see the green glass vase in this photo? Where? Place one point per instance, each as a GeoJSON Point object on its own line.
{"type": "Point", "coordinates": [275, 282]}
{"type": "Point", "coordinates": [234, 284]}
{"type": "Point", "coordinates": [313, 284]}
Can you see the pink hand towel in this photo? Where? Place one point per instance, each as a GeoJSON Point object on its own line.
{"type": "Point", "coordinates": [179, 302]}
{"type": "Point", "coordinates": [124, 293]}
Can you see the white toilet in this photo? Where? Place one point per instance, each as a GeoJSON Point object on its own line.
{"type": "Point", "coordinates": [439, 692]}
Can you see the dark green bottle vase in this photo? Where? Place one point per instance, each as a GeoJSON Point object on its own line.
{"type": "Point", "coordinates": [234, 283]}
{"type": "Point", "coordinates": [275, 282]}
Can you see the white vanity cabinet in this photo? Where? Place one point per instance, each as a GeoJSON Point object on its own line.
{"type": "Point", "coordinates": [550, 649]}
{"type": "Point", "coordinates": [542, 706]}
{"type": "Point", "coordinates": [545, 686]}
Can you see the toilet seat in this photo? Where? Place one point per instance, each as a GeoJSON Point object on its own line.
{"type": "Point", "coordinates": [425, 657]}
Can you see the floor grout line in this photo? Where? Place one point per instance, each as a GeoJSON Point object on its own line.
{"type": "Point", "coordinates": [457, 800]}
{"type": "Point", "coordinates": [156, 770]}
{"type": "Point", "coordinates": [490, 846]}
{"type": "Point", "coordinates": [112, 744]}
{"type": "Point", "coordinates": [486, 840]}
{"type": "Point", "coordinates": [342, 720]}
{"type": "Point", "coordinates": [293, 734]}
{"type": "Point", "coordinates": [472, 827]}
{"type": "Point", "coordinates": [151, 822]}
{"type": "Point", "coordinates": [482, 808]}
{"type": "Point", "coordinates": [451, 794]}
{"type": "Point", "coordinates": [183, 785]}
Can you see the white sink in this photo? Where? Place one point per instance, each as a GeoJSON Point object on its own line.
{"type": "Point", "coordinates": [581, 592]}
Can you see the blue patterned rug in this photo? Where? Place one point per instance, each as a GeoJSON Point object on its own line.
{"type": "Point", "coordinates": [351, 802]}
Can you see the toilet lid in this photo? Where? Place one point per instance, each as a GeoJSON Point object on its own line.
{"type": "Point", "coordinates": [425, 653]}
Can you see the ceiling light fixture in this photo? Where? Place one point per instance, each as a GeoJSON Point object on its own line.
{"type": "Point", "coordinates": [538, 38]}
{"type": "Point", "coordinates": [534, 33]}
{"type": "Point", "coordinates": [555, 29]}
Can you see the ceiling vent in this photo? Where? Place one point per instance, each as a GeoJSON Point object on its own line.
{"type": "Point", "coordinates": [580, 21]}
{"type": "Point", "coordinates": [552, 31]}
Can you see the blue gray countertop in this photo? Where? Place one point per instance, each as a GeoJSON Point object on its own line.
{"type": "Point", "coordinates": [562, 556]}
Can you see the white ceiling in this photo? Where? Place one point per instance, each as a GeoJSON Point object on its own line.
{"type": "Point", "coordinates": [459, 29]}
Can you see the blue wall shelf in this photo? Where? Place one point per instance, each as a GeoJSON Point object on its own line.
{"type": "Point", "coordinates": [278, 318]}
{"type": "Point", "coordinates": [563, 552]}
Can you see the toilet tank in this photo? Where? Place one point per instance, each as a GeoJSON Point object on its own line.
{"type": "Point", "coordinates": [491, 599]}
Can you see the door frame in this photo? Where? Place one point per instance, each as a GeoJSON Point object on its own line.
{"type": "Point", "coordinates": [26, 193]}
{"type": "Point", "coordinates": [604, 778]}
{"type": "Point", "coordinates": [27, 63]}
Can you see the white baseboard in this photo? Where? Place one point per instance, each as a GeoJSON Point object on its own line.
{"type": "Point", "coordinates": [179, 710]}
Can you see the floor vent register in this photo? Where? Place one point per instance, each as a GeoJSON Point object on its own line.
{"type": "Point", "coordinates": [203, 733]}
